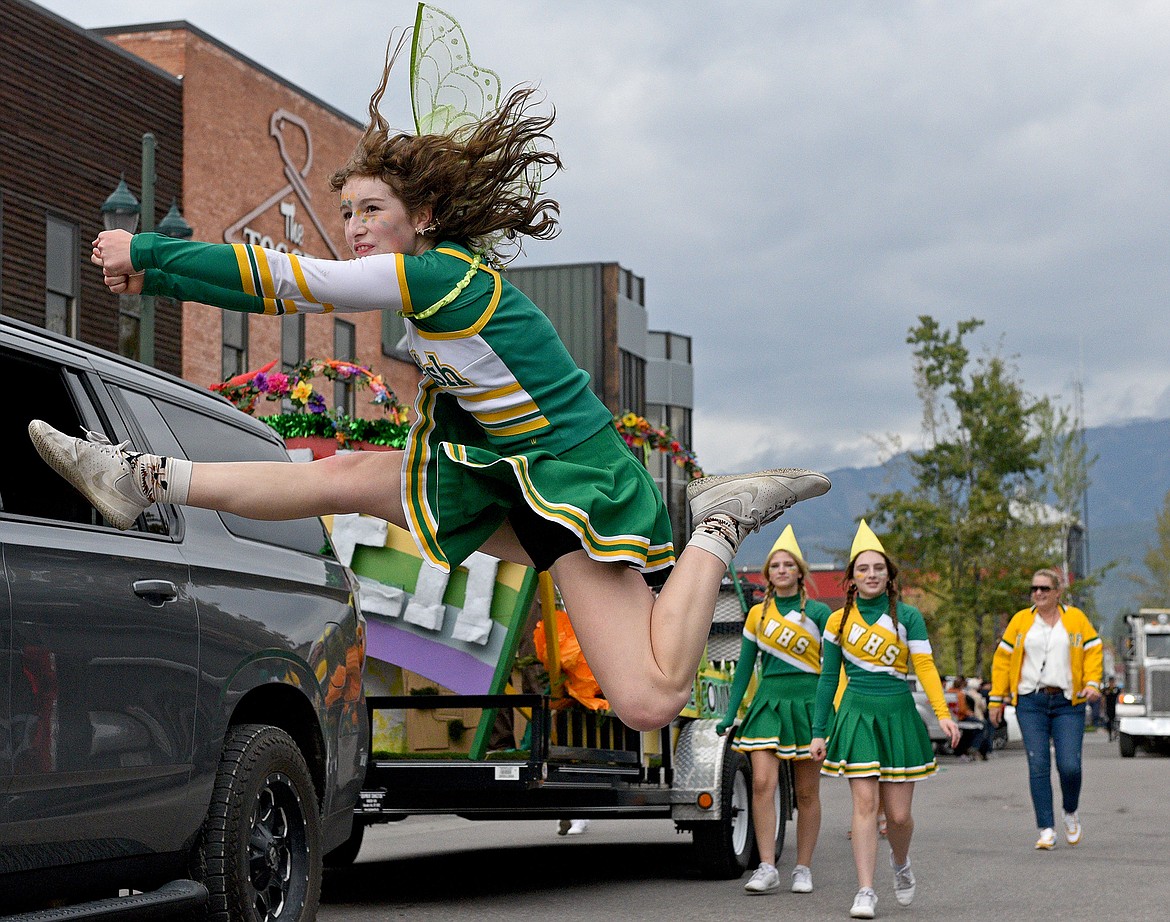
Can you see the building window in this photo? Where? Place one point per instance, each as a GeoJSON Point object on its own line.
{"type": "Point", "coordinates": [633, 384]}
{"type": "Point", "coordinates": [292, 341]}
{"type": "Point", "coordinates": [62, 277]}
{"type": "Point", "coordinates": [344, 348]}
{"type": "Point", "coordinates": [235, 344]}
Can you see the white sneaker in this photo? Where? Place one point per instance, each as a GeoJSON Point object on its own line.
{"type": "Point", "coordinates": [1047, 839]}
{"type": "Point", "coordinates": [577, 827]}
{"type": "Point", "coordinates": [753, 500]}
{"type": "Point", "coordinates": [105, 474]}
{"type": "Point", "coordinates": [765, 879]}
{"type": "Point", "coordinates": [1072, 828]}
{"type": "Point", "coordinates": [801, 879]}
{"type": "Point", "coordinates": [904, 883]}
{"type": "Point", "coordinates": [864, 904]}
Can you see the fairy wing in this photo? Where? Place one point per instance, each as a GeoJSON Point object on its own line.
{"type": "Point", "coordinates": [447, 89]}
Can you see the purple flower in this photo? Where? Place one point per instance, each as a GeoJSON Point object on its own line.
{"type": "Point", "coordinates": [260, 381]}
{"type": "Point", "coordinates": [316, 403]}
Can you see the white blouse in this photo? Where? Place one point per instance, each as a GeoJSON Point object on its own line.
{"type": "Point", "coordinates": [1046, 658]}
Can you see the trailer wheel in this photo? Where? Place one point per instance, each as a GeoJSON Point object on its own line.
{"type": "Point", "coordinates": [724, 846]}
{"type": "Point", "coordinates": [1127, 744]}
{"type": "Point", "coordinates": [260, 851]}
{"type": "Point", "coordinates": [346, 853]}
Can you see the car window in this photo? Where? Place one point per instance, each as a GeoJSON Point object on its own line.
{"type": "Point", "coordinates": [203, 437]}
{"type": "Point", "coordinates": [28, 486]}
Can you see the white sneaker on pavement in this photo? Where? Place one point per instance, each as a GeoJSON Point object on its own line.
{"type": "Point", "coordinates": [1072, 828]}
{"type": "Point", "coordinates": [864, 904]}
{"type": "Point", "coordinates": [801, 879]}
{"type": "Point", "coordinates": [904, 883]}
{"type": "Point", "coordinates": [765, 879]}
{"type": "Point", "coordinates": [105, 474]}
{"type": "Point", "coordinates": [1047, 839]}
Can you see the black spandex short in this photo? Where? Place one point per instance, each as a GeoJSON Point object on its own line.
{"type": "Point", "coordinates": [546, 542]}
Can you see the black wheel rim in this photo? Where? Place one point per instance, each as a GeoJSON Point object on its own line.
{"type": "Point", "coordinates": [278, 854]}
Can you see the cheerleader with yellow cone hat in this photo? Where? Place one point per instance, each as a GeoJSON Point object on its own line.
{"type": "Point", "coordinates": [877, 739]}
{"type": "Point", "coordinates": [785, 631]}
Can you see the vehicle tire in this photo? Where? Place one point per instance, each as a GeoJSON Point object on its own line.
{"type": "Point", "coordinates": [346, 853]}
{"type": "Point", "coordinates": [1127, 744]}
{"type": "Point", "coordinates": [260, 850]}
{"type": "Point", "coordinates": [724, 847]}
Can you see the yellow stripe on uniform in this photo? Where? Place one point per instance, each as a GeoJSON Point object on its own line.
{"type": "Point", "coordinates": [403, 288]}
{"type": "Point", "coordinates": [247, 281]}
{"type": "Point", "coordinates": [303, 285]}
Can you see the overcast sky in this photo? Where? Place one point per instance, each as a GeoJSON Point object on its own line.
{"type": "Point", "coordinates": [798, 181]}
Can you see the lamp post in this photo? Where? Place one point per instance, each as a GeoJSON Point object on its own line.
{"type": "Point", "coordinates": [121, 211]}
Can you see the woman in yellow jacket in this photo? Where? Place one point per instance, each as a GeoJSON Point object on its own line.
{"type": "Point", "coordinates": [1048, 664]}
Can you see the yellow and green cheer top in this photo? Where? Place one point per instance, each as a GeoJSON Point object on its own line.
{"type": "Point", "coordinates": [876, 658]}
{"type": "Point", "coordinates": [488, 346]}
{"type": "Point", "coordinates": [788, 642]}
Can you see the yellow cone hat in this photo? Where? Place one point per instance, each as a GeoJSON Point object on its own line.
{"type": "Point", "coordinates": [865, 540]}
{"type": "Point", "coordinates": [787, 542]}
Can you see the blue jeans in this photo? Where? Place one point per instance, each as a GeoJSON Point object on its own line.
{"type": "Point", "coordinates": [1052, 717]}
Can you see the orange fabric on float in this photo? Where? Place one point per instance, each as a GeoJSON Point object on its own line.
{"type": "Point", "coordinates": [579, 682]}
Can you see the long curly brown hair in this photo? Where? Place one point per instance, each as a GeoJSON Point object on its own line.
{"type": "Point", "coordinates": [481, 182]}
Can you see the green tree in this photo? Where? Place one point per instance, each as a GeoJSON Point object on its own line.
{"type": "Point", "coordinates": [959, 531]}
{"type": "Point", "coordinates": [1155, 583]}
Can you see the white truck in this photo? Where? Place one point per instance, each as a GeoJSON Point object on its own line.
{"type": "Point", "coordinates": [1144, 708]}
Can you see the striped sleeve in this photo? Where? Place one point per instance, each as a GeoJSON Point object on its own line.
{"type": "Point", "coordinates": [269, 281]}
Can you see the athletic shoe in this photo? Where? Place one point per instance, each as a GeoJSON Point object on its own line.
{"type": "Point", "coordinates": [1047, 839]}
{"type": "Point", "coordinates": [563, 827]}
{"type": "Point", "coordinates": [105, 474]}
{"type": "Point", "coordinates": [904, 884]}
{"type": "Point", "coordinates": [577, 827]}
{"type": "Point", "coordinates": [864, 904]}
{"type": "Point", "coordinates": [1072, 828]}
{"type": "Point", "coordinates": [801, 879]}
{"type": "Point", "coordinates": [753, 500]}
{"type": "Point", "coordinates": [765, 879]}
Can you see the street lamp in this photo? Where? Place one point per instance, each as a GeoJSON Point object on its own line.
{"type": "Point", "coordinates": [121, 211]}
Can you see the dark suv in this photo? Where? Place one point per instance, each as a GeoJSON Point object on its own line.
{"type": "Point", "coordinates": [180, 700]}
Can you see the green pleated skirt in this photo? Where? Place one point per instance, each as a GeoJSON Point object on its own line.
{"type": "Point", "coordinates": [879, 736]}
{"type": "Point", "coordinates": [457, 491]}
{"type": "Point", "coordinates": [780, 717]}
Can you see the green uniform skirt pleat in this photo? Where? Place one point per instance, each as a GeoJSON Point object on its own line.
{"type": "Point", "coordinates": [780, 717]}
{"type": "Point", "coordinates": [879, 736]}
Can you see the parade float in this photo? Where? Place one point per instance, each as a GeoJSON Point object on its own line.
{"type": "Point", "coordinates": [479, 700]}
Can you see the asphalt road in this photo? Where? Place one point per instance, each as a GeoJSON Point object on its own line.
{"type": "Point", "coordinates": [973, 855]}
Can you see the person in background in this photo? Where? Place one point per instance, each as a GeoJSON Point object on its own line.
{"type": "Point", "coordinates": [1109, 696]}
{"type": "Point", "coordinates": [1048, 664]}
{"type": "Point", "coordinates": [878, 740]}
{"type": "Point", "coordinates": [785, 630]}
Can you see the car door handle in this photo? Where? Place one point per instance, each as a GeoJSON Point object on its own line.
{"type": "Point", "coordinates": [156, 591]}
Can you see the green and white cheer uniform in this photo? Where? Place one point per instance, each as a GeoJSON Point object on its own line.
{"type": "Point", "coordinates": [877, 730]}
{"type": "Point", "coordinates": [789, 647]}
{"type": "Point", "coordinates": [503, 415]}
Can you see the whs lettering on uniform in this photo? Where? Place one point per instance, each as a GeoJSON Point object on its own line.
{"type": "Point", "coordinates": [874, 644]}
{"type": "Point", "coordinates": [783, 640]}
{"type": "Point", "coordinates": [443, 375]}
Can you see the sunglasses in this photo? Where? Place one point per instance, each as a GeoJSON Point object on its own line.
{"type": "Point", "coordinates": [1043, 588]}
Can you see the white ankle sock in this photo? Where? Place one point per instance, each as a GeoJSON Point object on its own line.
{"type": "Point", "coordinates": [164, 480]}
{"type": "Point", "coordinates": [714, 535]}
